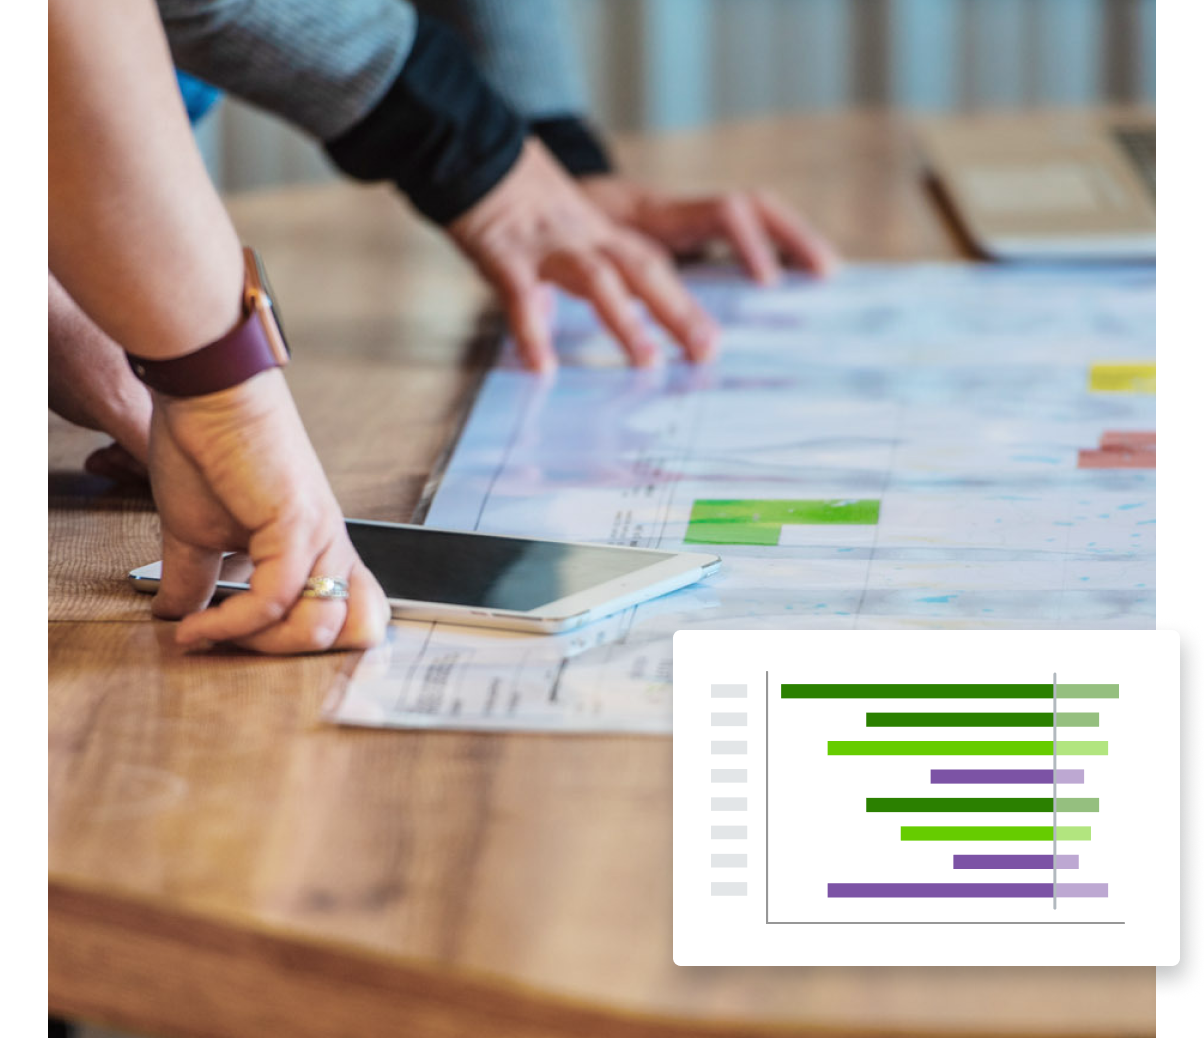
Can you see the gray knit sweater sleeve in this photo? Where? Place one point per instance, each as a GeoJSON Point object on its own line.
{"type": "Point", "coordinates": [525, 48]}
{"type": "Point", "coordinates": [320, 64]}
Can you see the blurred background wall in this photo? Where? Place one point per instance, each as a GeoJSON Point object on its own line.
{"type": "Point", "coordinates": [671, 64]}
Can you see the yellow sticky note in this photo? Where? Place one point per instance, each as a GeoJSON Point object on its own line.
{"type": "Point", "coordinates": [1122, 377]}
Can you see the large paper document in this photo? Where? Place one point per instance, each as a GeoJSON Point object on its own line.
{"type": "Point", "coordinates": [901, 446]}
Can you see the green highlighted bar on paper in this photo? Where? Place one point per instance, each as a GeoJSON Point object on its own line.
{"type": "Point", "coordinates": [1043, 805]}
{"type": "Point", "coordinates": [949, 691]}
{"type": "Point", "coordinates": [978, 719]}
{"type": "Point", "coordinates": [1035, 833]}
{"type": "Point", "coordinates": [964, 748]}
{"type": "Point", "coordinates": [760, 522]}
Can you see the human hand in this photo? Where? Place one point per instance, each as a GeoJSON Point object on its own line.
{"type": "Point", "coordinates": [90, 384]}
{"type": "Point", "coordinates": [536, 226]}
{"type": "Point", "coordinates": [234, 470]}
{"type": "Point", "coordinates": [757, 225]}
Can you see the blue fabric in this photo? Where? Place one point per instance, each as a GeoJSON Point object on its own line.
{"type": "Point", "coordinates": [199, 96]}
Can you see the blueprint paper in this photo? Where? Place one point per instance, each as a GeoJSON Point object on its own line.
{"type": "Point", "coordinates": [950, 403]}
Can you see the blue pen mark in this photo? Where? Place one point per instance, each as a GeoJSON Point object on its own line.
{"type": "Point", "coordinates": [938, 598]}
{"type": "Point", "coordinates": [1147, 522]}
{"type": "Point", "coordinates": [1125, 508]}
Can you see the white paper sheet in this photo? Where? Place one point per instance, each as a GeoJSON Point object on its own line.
{"type": "Point", "coordinates": [957, 397]}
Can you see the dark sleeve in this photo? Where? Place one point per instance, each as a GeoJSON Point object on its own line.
{"type": "Point", "coordinates": [440, 132]}
{"type": "Point", "coordinates": [572, 140]}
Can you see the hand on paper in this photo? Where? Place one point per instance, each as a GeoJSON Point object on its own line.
{"type": "Point", "coordinates": [234, 470]}
{"type": "Point", "coordinates": [757, 225]}
{"type": "Point", "coordinates": [537, 227]}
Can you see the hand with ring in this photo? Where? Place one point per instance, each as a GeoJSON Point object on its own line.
{"type": "Point", "coordinates": [235, 470]}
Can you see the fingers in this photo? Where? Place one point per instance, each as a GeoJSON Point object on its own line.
{"type": "Point", "coordinates": [650, 275]}
{"type": "Point", "coordinates": [757, 225]}
{"type": "Point", "coordinates": [189, 577]}
{"type": "Point", "coordinates": [116, 463]}
{"type": "Point", "coordinates": [275, 587]}
{"type": "Point", "coordinates": [592, 276]}
{"type": "Point", "coordinates": [529, 314]}
{"type": "Point", "coordinates": [798, 241]}
{"type": "Point", "coordinates": [318, 624]}
{"type": "Point", "coordinates": [296, 624]}
{"type": "Point", "coordinates": [368, 612]}
{"type": "Point", "coordinates": [740, 222]}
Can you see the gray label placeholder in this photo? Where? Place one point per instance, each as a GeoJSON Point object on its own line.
{"type": "Point", "coordinates": [729, 832]}
{"type": "Point", "coordinates": [729, 890]}
{"type": "Point", "coordinates": [729, 803]}
{"type": "Point", "coordinates": [729, 774]}
{"type": "Point", "coordinates": [729, 691]}
{"type": "Point", "coordinates": [729, 861]}
{"type": "Point", "coordinates": [722, 746]}
{"type": "Point", "coordinates": [732, 720]}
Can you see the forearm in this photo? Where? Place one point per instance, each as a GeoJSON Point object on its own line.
{"type": "Point", "coordinates": [137, 234]}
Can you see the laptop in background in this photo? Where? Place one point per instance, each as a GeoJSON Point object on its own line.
{"type": "Point", "coordinates": [1049, 187]}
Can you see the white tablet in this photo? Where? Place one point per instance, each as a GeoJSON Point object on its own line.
{"type": "Point", "coordinates": [485, 580]}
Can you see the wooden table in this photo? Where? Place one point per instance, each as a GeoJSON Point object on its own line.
{"type": "Point", "coordinates": [224, 863]}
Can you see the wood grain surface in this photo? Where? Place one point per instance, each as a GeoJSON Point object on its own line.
{"type": "Point", "coordinates": [225, 863]}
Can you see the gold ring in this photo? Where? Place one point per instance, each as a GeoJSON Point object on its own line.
{"type": "Point", "coordinates": [326, 587]}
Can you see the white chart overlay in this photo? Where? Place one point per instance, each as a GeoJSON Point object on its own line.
{"type": "Point", "coordinates": [905, 798]}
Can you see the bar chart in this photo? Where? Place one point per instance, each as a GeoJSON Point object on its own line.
{"type": "Point", "coordinates": [879, 792]}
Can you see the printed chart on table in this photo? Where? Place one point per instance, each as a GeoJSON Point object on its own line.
{"type": "Point", "coordinates": [930, 446]}
{"type": "Point", "coordinates": [926, 798]}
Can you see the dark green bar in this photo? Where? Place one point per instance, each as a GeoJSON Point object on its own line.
{"type": "Point", "coordinates": [959, 748]}
{"type": "Point", "coordinates": [978, 719]}
{"type": "Point", "coordinates": [918, 691]}
{"type": "Point", "coordinates": [1044, 805]}
{"type": "Point", "coordinates": [1036, 833]}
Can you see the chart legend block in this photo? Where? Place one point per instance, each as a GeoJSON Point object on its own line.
{"type": "Point", "coordinates": [887, 807]}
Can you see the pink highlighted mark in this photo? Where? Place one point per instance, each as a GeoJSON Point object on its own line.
{"type": "Point", "coordinates": [1122, 449]}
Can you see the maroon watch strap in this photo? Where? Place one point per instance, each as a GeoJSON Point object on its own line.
{"type": "Point", "coordinates": [238, 355]}
{"type": "Point", "coordinates": [253, 345]}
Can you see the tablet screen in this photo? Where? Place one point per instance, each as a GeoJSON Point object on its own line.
{"type": "Point", "coordinates": [429, 565]}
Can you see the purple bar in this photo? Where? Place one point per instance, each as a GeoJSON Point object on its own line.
{"type": "Point", "coordinates": [1004, 776]}
{"type": "Point", "coordinates": [1041, 890]}
{"type": "Point", "coordinates": [1014, 861]}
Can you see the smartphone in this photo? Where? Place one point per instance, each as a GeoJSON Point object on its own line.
{"type": "Point", "coordinates": [484, 580]}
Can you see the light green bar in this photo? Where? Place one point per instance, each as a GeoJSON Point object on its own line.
{"type": "Point", "coordinates": [962, 748]}
{"type": "Point", "coordinates": [1088, 691]}
{"type": "Point", "coordinates": [1033, 833]}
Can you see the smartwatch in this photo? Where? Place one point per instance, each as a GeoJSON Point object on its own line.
{"type": "Point", "coordinates": [256, 343]}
